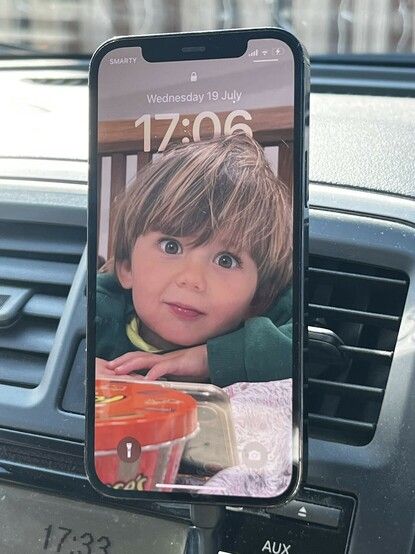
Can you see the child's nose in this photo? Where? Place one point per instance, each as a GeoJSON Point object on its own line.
{"type": "Point", "coordinates": [192, 276]}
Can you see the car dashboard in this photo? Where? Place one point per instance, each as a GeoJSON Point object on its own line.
{"type": "Point", "coordinates": [358, 493]}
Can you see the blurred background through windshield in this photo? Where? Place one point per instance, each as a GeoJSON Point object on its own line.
{"type": "Point", "coordinates": [324, 26]}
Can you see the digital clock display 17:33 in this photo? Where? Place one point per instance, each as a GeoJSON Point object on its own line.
{"type": "Point", "coordinates": [59, 539]}
{"type": "Point", "coordinates": [40, 523]}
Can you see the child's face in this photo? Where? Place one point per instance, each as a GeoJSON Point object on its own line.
{"type": "Point", "coordinates": [185, 295]}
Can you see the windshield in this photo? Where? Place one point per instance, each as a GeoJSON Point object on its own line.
{"type": "Point", "coordinates": [324, 26]}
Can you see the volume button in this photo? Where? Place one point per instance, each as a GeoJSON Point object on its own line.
{"type": "Point", "coordinates": [306, 191]}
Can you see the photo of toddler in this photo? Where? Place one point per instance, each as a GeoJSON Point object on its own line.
{"type": "Point", "coordinates": [198, 286]}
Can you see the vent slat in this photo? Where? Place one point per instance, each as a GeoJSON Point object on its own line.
{"type": "Point", "coordinates": [357, 316]}
{"type": "Point", "coordinates": [44, 305]}
{"type": "Point", "coordinates": [38, 239]}
{"type": "Point", "coordinates": [348, 425]}
{"type": "Point", "coordinates": [333, 273]}
{"type": "Point", "coordinates": [29, 336]}
{"type": "Point", "coordinates": [36, 271]}
{"type": "Point", "coordinates": [333, 387]}
{"type": "Point", "coordinates": [360, 352]}
{"type": "Point", "coordinates": [21, 369]}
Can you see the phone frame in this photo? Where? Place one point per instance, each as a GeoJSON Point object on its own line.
{"type": "Point", "coordinates": [223, 44]}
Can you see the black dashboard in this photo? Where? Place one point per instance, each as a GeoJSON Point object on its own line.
{"type": "Point", "coordinates": [358, 496]}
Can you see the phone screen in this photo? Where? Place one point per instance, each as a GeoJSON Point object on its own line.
{"type": "Point", "coordinates": [193, 307]}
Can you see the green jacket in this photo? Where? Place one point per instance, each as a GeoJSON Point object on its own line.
{"type": "Point", "coordinates": [259, 350]}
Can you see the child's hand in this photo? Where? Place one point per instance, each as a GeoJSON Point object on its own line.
{"type": "Point", "coordinates": [102, 369]}
{"type": "Point", "coordinates": [189, 363]}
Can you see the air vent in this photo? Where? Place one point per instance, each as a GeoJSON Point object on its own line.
{"type": "Point", "coordinates": [362, 305]}
{"type": "Point", "coordinates": [37, 266]}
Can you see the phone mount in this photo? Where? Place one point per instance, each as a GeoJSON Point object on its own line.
{"type": "Point", "coordinates": [204, 533]}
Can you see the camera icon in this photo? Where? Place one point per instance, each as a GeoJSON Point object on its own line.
{"type": "Point", "coordinates": [254, 455]}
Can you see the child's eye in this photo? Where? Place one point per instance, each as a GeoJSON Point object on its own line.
{"type": "Point", "coordinates": [228, 261]}
{"type": "Point", "coordinates": [170, 246]}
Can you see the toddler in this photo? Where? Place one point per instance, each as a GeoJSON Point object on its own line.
{"type": "Point", "coordinates": [198, 288]}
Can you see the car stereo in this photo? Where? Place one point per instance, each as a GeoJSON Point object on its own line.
{"type": "Point", "coordinates": [313, 523]}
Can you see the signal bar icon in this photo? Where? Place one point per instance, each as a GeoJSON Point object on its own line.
{"type": "Point", "coordinates": [254, 53]}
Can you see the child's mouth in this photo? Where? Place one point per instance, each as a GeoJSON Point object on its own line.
{"type": "Point", "coordinates": [184, 312]}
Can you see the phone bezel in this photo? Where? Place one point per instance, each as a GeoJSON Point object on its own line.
{"type": "Point", "coordinates": [223, 43]}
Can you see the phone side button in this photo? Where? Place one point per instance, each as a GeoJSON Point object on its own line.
{"type": "Point", "coordinates": [310, 513]}
{"type": "Point", "coordinates": [307, 186]}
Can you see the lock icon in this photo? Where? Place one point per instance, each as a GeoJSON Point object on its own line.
{"type": "Point", "coordinates": [193, 76]}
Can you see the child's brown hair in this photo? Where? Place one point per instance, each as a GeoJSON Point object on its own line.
{"type": "Point", "coordinates": [220, 187]}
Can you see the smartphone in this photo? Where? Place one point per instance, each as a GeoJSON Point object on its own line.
{"type": "Point", "coordinates": [196, 258]}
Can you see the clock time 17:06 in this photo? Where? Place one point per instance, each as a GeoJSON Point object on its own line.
{"type": "Point", "coordinates": [229, 125]}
